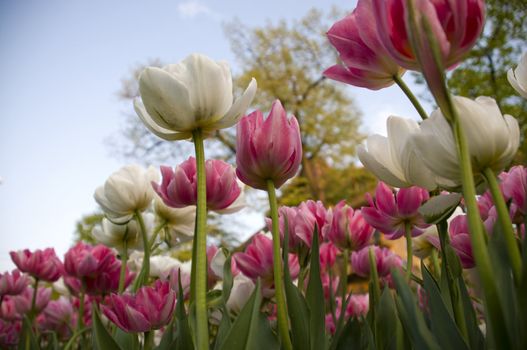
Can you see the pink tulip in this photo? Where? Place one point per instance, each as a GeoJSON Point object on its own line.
{"type": "Point", "coordinates": [58, 316]}
{"type": "Point", "coordinates": [23, 301]}
{"type": "Point", "coordinates": [268, 149]}
{"type": "Point", "coordinates": [349, 229]}
{"type": "Point", "coordinates": [455, 25]}
{"type": "Point", "coordinates": [365, 61]}
{"type": "Point", "coordinates": [173, 278]}
{"type": "Point", "coordinates": [149, 309]}
{"type": "Point", "coordinates": [390, 212]}
{"type": "Point", "coordinates": [178, 186]}
{"type": "Point", "coordinates": [309, 215]}
{"type": "Point", "coordinates": [8, 309]}
{"type": "Point", "coordinates": [358, 305]}
{"type": "Point", "coordinates": [12, 283]}
{"type": "Point", "coordinates": [514, 187]}
{"type": "Point", "coordinates": [460, 240]}
{"type": "Point", "coordinates": [95, 267]}
{"type": "Point", "coordinates": [384, 258]}
{"type": "Point", "coordinates": [288, 214]}
{"type": "Point", "coordinates": [328, 255]}
{"type": "Point", "coordinates": [9, 334]}
{"type": "Point", "coordinates": [257, 262]}
{"type": "Point", "coordinates": [41, 264]}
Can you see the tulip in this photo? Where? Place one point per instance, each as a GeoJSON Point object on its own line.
{"type": "Point", "coordinates": [217, 261]}
{"type": "Point", "coordinates": [393, 159]}
{"type": "Point", "coordinates": [384, 258]}
{"type": "Point", "coordinates": [58, 316]}
{"type": "Point", "coordinates": [514, 186]}
{"type": "Point", "coordinates": [328, 255]}
{"type": "Point", "coordinates": [349, 229]}
{"type": "Point", "coordinates": [149, 309]}
{"type": "Point", "coordinates": [8, 310]}
{"type": "Point", "coordinates": [460, 241]}
{"type": "Point", "coordinates": [287, 214]}
{"type": "Point", "coordinates": [12, 283]}
{"type": "Point", "coordinates": [365, 61]}
{"type": "Point", "coordinates": [161, 265]}
{"type": "Point", "coordinates": [310, 215]}
{"type": "Point", "coordinates": [257, 262]}
{"type": "Point", "coordinates": [178, 187]}
{"type": "Point", "coordinates": [23, 302]}
{"type": "Point", "coordinates": [268, 149]}
{"type": "Point", "coordinates": [492, 140]}
{"type": "Point", "coordinates": [182, 272]}
{"type": "Point", "coordinates": [9, 334]}
{"type": "Point", "coordinates": [242, 289]}
{"type": "Point", "coordinates": [358, 306]}
{"type": "Point", "coordinates": [117, 235]}
{"type": "Point", "coordinates": [455, 25]}
{"type": "Point", "coordinates": [41, 264]}
{"type": "Point", "coordinates": [126, 192]}
{"type": "Point", "coordinates": [179, 221]}
{"type": "Point", "coordinates": [193, 94]}
{"type": "Point", "coordinates": [518, 77]}
{"type": "Point", "coordinates": [389, 212]}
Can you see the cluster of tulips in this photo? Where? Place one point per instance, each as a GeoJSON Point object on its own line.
{"type": "Point", "coordinates": [461, 283]}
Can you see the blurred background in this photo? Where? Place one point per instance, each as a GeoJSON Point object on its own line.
{"type": "Point", "coordinates": [68, 77]}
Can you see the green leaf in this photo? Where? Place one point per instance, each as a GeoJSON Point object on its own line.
{"type": "Point", "coordinates": [439, 208]}
{"type": "Point", "coordinates": [410, 315]}
{"type": "Point", "coordinates": [228, 280]}
{"type": "Point", "coordinates": [443, 326]}
{"type": "Point", "coordinates": [53, 342]}
{"type": "Point", "coordinates": [475, 337]}
{"type": "Point", "coordinates": [315, 299]}
{"type": "Point", "coordinates": [353, 336]}
{"type": "Point", "coordinates": [386, 322]}
{"type": "Point", "coordinates": [102, 340]}
{"type": "Point", "coordinates": [251, 329]}
{"type": "Point", "coordinates": [168, 337]}
{"type": "Point", "coordinates": [183, 336]}
{"type": "Point", "coordinates": [296, 304]}
{"type": "Point", "coordinates": [27, 339]}
{"type": "Point", "coordinates": [214, 298]}
{"type": "Point", "coordinates": [453, 262]}
{"type": "Point", "coordinates": [223, 329]}
{"type": "Point", "coordinates": [128, 341]}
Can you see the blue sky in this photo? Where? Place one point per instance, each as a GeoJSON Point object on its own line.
{"type": "Point", "coordinates": [61, 66]}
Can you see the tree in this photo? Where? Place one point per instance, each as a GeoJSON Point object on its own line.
{"type": "Point", "coordinates": [484, 71]}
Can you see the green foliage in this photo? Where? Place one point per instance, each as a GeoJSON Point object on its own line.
{"type": "Point", "coordinates": [85, 226]}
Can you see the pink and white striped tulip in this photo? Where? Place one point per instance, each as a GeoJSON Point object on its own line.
{"type": "Point", "coordinates": [178, 187]}
{"type": "Point", "coordinates": [349, 229]}
{"type": "Point", "coordinates": [149, 309]}
{"type": "Point", "coordinates": [23, 300]}
{"type": "Point", "coordinates": [12, 283]}
{"type": "Point", "coordinates": [365, 61]}
{"type": "Point", "coordinates": [384, 258]}
{"type": "Point", "coordinates": [460, 240]}
{"type": "Point", "coordinates": [59, 316]}
{"type": "Point", "coordinates": [9, 334]}
{"type": "Point", "coordinates": [514, 187]}
{"type": "Point", "coordinates": [41, 264]}
{"type": "Point", "coordinates": [268, 148]}
{"type": "Point", "coordinates": [389, 212]}
{"type": "Point", "coordinates": [257, 262]}
{"type": "Point", "coordinates": [328, 255]}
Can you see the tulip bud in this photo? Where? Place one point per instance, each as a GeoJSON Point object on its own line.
{"type": "Point", "coordinates": [384, 258]}
{"type": "Point", "coordinates": [268, 149]}
{"type": "Point", "coordinates": [518, 77]}
{"type": "Point", "coordinates": [41, 264]}
{"type": "Point", "coordinates": [349, 230]}
{"type": "Point", "coordinates": [12, 283]}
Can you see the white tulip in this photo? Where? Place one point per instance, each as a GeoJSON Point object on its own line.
{"type": "Point", "coordinates": [180, 221]}
{"type": "Point", "coordinates": [114, 235]}
{"type": "Point", "coordinates": [518, 77]}
{"type": "Point", "coordinates": [126, 191]}
{"type": "Point", "coordinates": [242, 288]}
{"type": "Point", "coordinates": [492, 138]}
{"type": "Point", "coordinates": [393, 159]}
{"type": "Point", "coordinates": [161, 265]}
{"type": "Point", "coordinates": [193, 94]}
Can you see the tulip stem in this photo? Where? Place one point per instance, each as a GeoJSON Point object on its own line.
{"type": "Point", "coordinates": [148, 342]}
{"type": "Point", "coordinates": [33, 312]}
{"type": "Point", "coordinates": [435, 263]}
{"type": "Point", "coordinates": [409, 251]}
{"type": "Point", "coordinates": [415, 102]}
{"type": "Point", "coordinates": [283, 324]}
{"type": "Point", "coordinates": [142, 278]}
{"type": "Point", "coordinates": [158, 229]}
{"type": "Point", "coordinates": [477, 236]}
{"type": "Point", "coordinates": [124, 259]}
{"type": "Point", "coordinates": [344, 275]}
{"type": "Point", "coordinates": [199, 261]}
{"type": "Point", "coordinates": [80, 316]}
{"type": "Point", "coordinates": [505, 223]}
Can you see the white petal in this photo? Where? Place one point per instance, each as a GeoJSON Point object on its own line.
{"type": "Point", "coordinates": [154, 128]}
{"type": "Point", "coordinates": [516, 84]}
{"type": "Point", "coordinates": [378, 169]}
{"type": "Point", "coordinates": [239, 107]}
{"type": "Point", "coordinates": [379, 148]}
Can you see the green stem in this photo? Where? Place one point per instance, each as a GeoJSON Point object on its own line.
{"type": "Point", "coordinates": [435, 262]}
{"type": "Point", "coordinates": [200, 259]}
{"type": "Point", "coordinates": [344, 275]}
{"type": "Point", "coordinates": [148, 343]}
{"type": "Point", "coordinates": [409, 251]}
{"type": "Point", "coordinates": [143, 275]}
{"type": "Point", "coordinates": [156, 233]}
{"type": "Point", "coordinates": [283, 325]}
{"type": "Point", "coordinates": [399, 81]}
{"type": "Point", "coordinates": [33, 311]}
{"type": "Point", "coordinates": [505, 223]}
{"type": "Point", "coordinates": [124, 260]}
{"type": "Point", "coordinates": [71, 341]}
{"type": "Point", "coordinates": [477, 236]}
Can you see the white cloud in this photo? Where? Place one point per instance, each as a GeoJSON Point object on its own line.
{"type": "Point", "coordinates": [191, 9]}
